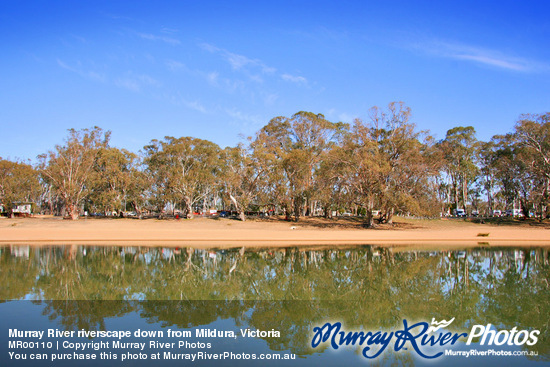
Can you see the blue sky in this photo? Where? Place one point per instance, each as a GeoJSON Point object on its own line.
{"type": "Point", "coordinates": [220, 70]}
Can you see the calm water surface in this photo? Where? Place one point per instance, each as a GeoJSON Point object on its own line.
{"type": "Point", "coordinates": [290, 289]}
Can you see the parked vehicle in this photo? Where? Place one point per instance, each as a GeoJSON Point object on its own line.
{"type": "Point", "coordinates": [459, 213]}
{"type": "Point", "coordinates": [514, 213]}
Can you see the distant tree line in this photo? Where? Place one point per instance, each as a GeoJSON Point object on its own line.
{"type": "Point", "coordinates": [303, 165]}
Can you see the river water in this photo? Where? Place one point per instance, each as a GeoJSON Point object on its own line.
{"type": "Point", "coordinates": [291, 290]}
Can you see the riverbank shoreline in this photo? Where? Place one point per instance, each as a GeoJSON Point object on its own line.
{"type": "Point", "coordinates": [224, 233]}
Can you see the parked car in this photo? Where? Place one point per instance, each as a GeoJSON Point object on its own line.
{"type": "Point", "coordinates": [459, 213]}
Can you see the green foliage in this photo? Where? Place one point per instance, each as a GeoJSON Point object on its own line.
{"type": "Point", "coordinates": [386, 164]}
{"type": "Point", "coordinates": [69, 167]}
{"type": "Point", "coordinates": [19, 182]}
{"type": "Point", "coordinates": [459, 150]}
{"type": "Point", "coordinates": [182, 170]}
{"type": "Point", "coordinates": [298, 165]}
{"type": "Point", "coordinates": [292, 150]}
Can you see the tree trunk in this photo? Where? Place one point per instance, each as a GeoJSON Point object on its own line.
{"type": "Point", "coordinates": [328, 214]}
{"type": "Point", "coordinates": [188, 208]}
{"type": "Point", "coordinates": [137, 210]}
{"type": "Point", "coordinates": [489, 198]}
{"type": "Point", "coordinates": [455, 186]}
{"type": "Point", "coordinates": [239, 208]}
{"type": "Point", "coordinates": [73, 211]}
{"type": "Point", "coordinates": [369, 219]}
{"type": "Point", "coordinates": [297, 208]}
{"type": "Point", "coordinates": [305, 208]}
{"type": "Point", "coordinates": [389, 218]}
{"type": "Point", "coordinates": [464, 193]}
{"type": "Point", "coordinates": [524, 208]}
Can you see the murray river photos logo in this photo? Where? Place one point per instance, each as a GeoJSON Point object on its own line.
{"type": "Point", "coordinates": [427, 340]}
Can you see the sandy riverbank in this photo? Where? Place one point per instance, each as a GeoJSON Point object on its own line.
{"type": "Point", "coordinates": [203, 232]}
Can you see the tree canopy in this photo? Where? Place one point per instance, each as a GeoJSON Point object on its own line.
{"type": "Point", "coordinates": [302, 165]}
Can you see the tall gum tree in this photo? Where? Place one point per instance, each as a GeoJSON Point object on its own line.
{"type": "Point", "coordinates": [459, 150]}
{"type": "Point", "coordinates": [242, 176]}
{"type": "Point", "coordinates": [488, 160]}
{"type": "Point", "coordinates": [68, 167]}
{"type": "Point", "coordinates": [185, 169]}
{"type": "Point", "coordinates": [292, 148]}
{"type": "Point", "coordinates": [386, 164]}
{"type": "Point", "coordinates": [512, 164]}
{"type": "Point", "coordinates": [19, 182]}
{"type": "Point", "coordinates": [404, 168]}
{"type": "Point", "coordinates": [532, 131]}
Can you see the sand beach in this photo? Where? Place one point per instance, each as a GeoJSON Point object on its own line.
{"type": "Point", "coordinates": [222, 232]}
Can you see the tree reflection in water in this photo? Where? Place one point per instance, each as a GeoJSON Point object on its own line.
{"type": "Point", "coordinates": [291, 289]}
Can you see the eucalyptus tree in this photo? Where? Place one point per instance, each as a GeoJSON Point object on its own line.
{"type": "Point", "coordinates": [488, 160]}
{"type": "Point", "coordinates": [360, 167]}
{"type": "Point", "coordinates": [511, 171]}
{"type": "Point", "coordinates": [68, 167]}
{"type": "Point", "coordinates": [407, 161]}
{"type": "Point", "coordinates": [156, 175]}
{"type": "Point", "coordinates": [332, 190]}
{"type": "Point", "coordinates": [111, 179]}
{"type": "Point", "coordinates": [459, 150]}
{"type": "Point", "coordinates": [269, 147]}
{"type": "Point", "coordinates": [386, 164]}
{"type": "Point", "coordinates": [185, 170]}
{"type": "Point", "coordinates": [292, 149]}
{"type": "Point", "coordinates": [19, 182]}
{"type": "Point", "coordinates": [533, 133]}
{"type": "Point", "coordinates": [242, 174]}
{"type": "Point", "coordinates": [519, 163]}
{"type": "Point", "coordinates": [138, 188]}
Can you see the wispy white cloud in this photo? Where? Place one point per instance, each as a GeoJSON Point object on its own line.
{"type": "Point", "coordinates": [249, 120]}
{"type": "Point", "coordinates": [178, 100]}
{"type": "Point", "coordinates": [212, 77]}
{"type": "Point", "coordinates": [127, 83]}
{"type": "Point", "coordinates": [255, 69]}
{"type": "Point", "coordinates": [517, 64]}
{"type": "Point", "coordinates": [481, 56]}
{"type": "Point", "coordinates": [346, 117]}
{"type": "Point", "coordinates": [333, 114]}
{"type": "Point", "coordinates": [256, 78]}
{"type": "Point", "coordinates": [78, 69]}
{"type": "Point", "coordinates": [169, 30]}
{"type": "Point", "coordinates": [79, 38]}
{"type": "Point", "coordinates": [294, 79]}
{"type": "Point", "coordinates": [152, 37]}
{"type": "Point", "coordinates": [148, 80]}
{"type": "Point", "coordinates": [175, 65]}
{"type": "Point", "coordinates": [194, 105]}
{"type": "Point", "coordinates": [135, 83]}
{"type": "Point", "coordinates": [239, 62]}
{"type": "Point", "coordinates": [270, 98]}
